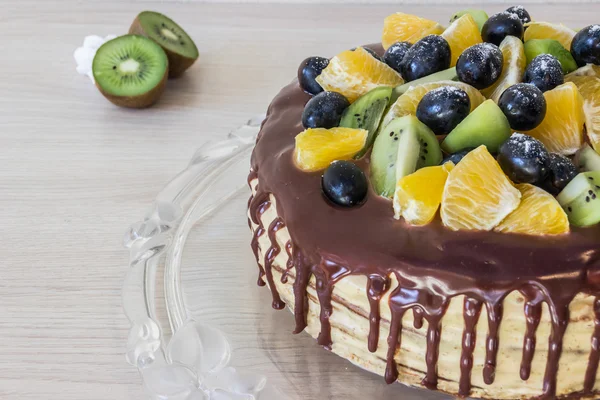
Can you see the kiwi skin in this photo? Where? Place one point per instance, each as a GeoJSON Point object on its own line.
{"type": "Point", "coordinates": [177, 63]}
{"type": "Point", "coordinates": [142, 101]}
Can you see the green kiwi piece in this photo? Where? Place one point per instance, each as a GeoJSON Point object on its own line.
{"type": "Point", "coordinates": [587, 159]}
{"type": "Point", "coordinates": [131, 71]}
{"type": "Point", "coordinates": [445, 75]}
{"type": "Point", "coordinates": [392, 156]}
{"type": "Point", "coordinates": [486, 125]}
{"type": "Point", "coordinates": [479, 16]}
{"type": "Point", "coordinates": [366, 113]}
{"type": "Point", "coordinates": [180, 48]}
{"type": "Point", "coordinates": [581, 199]}
{"type": "Point", "coordinates": [535, 47]}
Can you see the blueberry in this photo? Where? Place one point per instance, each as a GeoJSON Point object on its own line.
{"type": "Point", "coordinates": [395, 53]}
{"type": "Point", "coordinates": [523, 105]}
{"type": "Point", "coordinates": [544, 72]}
{"type": "Point", "coordinates": [500, 26]}
{"type": "Point", "coordinates": [443, 108]}
{"type": "Point", "coordinates": [458, 156]}
{"type": "Point", "coordinates": [308, 71]}
{"type": "Point", "coordinates": [524, 159]}
{"type": "Point", "coordinates": [585, 46]}
{"type": "Point", "coordinates": [345, 184]}
{"type": "Point", "coordinates": [429, 55]}
{"type": "Point", "coordinates": [324, 110]}
{"type": "Point", "coordinates": [520, 12]}
{"type": "Point", "coordinates": [561, 172]}
{"type": "Point", "coordinates": [480, 65]}
{"type": "Point", "coordinates": [370, 51]}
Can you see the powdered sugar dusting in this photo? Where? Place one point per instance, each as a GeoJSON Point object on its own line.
{"type": "Point", "coordinates": [527, 147]}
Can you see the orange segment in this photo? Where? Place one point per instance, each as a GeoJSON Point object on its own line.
{"type": "Point", "coordinates": [588, 70]}
{"type": "Point", "coordinates": [589, 88]}
{"type": "Point", "coordinates": [462, 34]}
{"type": "Point", "coordinates": [354, 73]}
{"type": "Point", "coordinates": [513, 69]}
{"type": "Point", "coordinates": [317, 148]}
{"type": "Point", "coordinates": [561, 131]}
{"type": "Point", "coordinates": [478, 195]}
{"type": "Point", "coordinates": [418, 195]}
{"type": "Point", "coordinates": [546, 30]}
{"type": "Point", "coordinates": [400, 27]}
{"type": "Point", "coordinates": [408, 102]}
{"type": "Point", "coordinates": [538, 214]}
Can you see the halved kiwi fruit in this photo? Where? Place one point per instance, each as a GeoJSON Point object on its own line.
{"type": "Point", "coordinates": [180, 48]}
{"type": "Point", "coordinates": [581, 199]}
{"type": "Point", "coordinates": [131, 71]}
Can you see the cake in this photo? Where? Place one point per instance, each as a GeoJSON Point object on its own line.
{"type": "Point", "coordinates": [477, 275]}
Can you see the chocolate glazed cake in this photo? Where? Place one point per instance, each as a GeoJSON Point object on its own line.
{"type": "Point", "coordinates": [482, 314]}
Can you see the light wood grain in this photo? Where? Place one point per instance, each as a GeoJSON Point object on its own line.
{"type": "Point", "coordinates": [75, 171]}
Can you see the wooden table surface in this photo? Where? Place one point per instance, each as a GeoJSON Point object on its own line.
{"type": "Point", "coordinates": [75, 170]}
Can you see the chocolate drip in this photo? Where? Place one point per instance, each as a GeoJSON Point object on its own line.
{"type": "Point", "coordinates": [533, 315]}
{"type": "Point", "coordinates": [258, 205]}
{"type": "Point", "coordinates": [494, 311]}
{"type": "Point", "coordinates": [432, 264]}
{"type": "Point", "coordinates": [290, 262]}
{"type": "Point", "coordinates": [377, 285]}
{"type": "Point", "coordinates": [592, 368]}
{"type": "Point", "coordinates": [417, 317]}
{"type": "Point", "coordinates": [270, 255]}
{"type": "Point", "coordinates": [471, 312]}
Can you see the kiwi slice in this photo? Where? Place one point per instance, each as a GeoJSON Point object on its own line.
{"type": "Point", "coordinates": [486, 125]}
{"type": "Point", "coordinates": [479, 16]}
{"type": "Point", "coordinates": [131, 71]}
{"type": "Point", "coordinates": [445, 75]}
{"type": "Point", "coordinates": [587, 159]}
{"type": "Point", "coordinates": [180, 48]}
{"type": "Point", "coordinates": [535, 47]}
{"type": "Point", "coordinates": [393, 156]}
{"type": "Point", "coordinates": [366, 113]}
{"type": "Point", "coordinates": [581, 199]}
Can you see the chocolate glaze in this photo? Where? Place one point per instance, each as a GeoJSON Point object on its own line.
{"type": "Point", "coordinates": [432, 264]}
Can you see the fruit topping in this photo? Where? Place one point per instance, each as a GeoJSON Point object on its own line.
{"type": "Point", "coordinates": [445, 75]}
{"type": "Point", "coordinates": [561, 131]}
{"type": "Point", "coordinates": [371, 52]}
{"type": "Point", "coordinates": [179, 47]}
{"type": "Point", "coordinates": [501, 25]}
{"type": "Point", "coordinates": [487, 126]}
{"type": "Point", "coordinates": [418, 196]}
{"type": "Point", "coordinates": [455, 158]}
{"type": "Point", "coordinates": [480, 65]}
{"type": "Point", "coordinates": [401, 27]}
{"type": "Point", "coordinates": [585, 46]}
{"type": "Point", "coordinates": [427, 56]}
{"type": "Point", "coordinates": [366, 113]}
{"type": "Point", "coordinates": [443, 108]}
{"type": "Point", "coordinates": [535, 47]}
{"type": "Point", "coordinates": [544, 72]}
{"type": "Point", "coordinates": [345, 184]}
{"type": "Point", "coordinates": [581, 199]}
{"type": "Point", "coordinates": [512, 70]}
{"type": "Point", "coordinates": [546, 30]}
{"type": "Point", "coordinates": [393, 157]}
{"type": "Point", "coordinates": [589, 88]}
{"type": "Point", "coordinates": [524, 159]}
{"type": "Point", "coordinates": [354, 73]}
{"type": "Point", "coordinates": [131, 71]}
{"type": "Point", "coordinates": [538, 214]}
{"type": "Point", "coordinates": [324, 110]}
{"type": "Point", "coordinates": [317, 148]}
{"type": "Point", "coordinates": [524, 106]}
{"type": "Point", "coordinates": [588, 70]}
{"type": "Point", "coordinates": [520, 12]}
{"type": "Point", "coordinates": [561, 172]}
{"type": "Point", "coordinates": [462, 34]}
{"type": "Point", "coordinates": [408, 102]}
{"type": "Point", "coordinates": [308, 71]}
{"type": "Point", "coordinates": [587, 159]}
{"type": "Point", "coordinates": [395, 53]}
{"type": "Point", "coordinates": [477, 195]}
{"type": "Point", "coordinates": [479, 16]}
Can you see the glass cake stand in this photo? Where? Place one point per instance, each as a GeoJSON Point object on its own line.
{"type": "Point", "coordinates": [200, 326]}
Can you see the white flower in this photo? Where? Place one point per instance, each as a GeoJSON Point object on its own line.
{"type": "Point", "coordinates": [84, 55]}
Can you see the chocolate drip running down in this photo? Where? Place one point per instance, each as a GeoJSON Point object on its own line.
{"type": "Point", "coordinates": [431, 264]}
